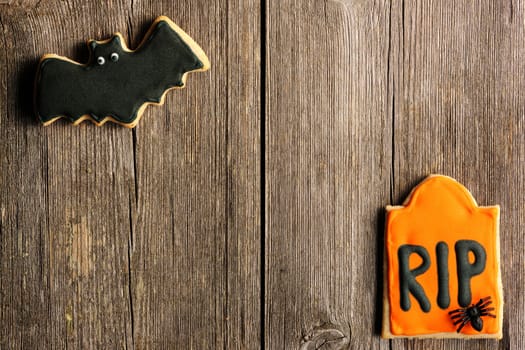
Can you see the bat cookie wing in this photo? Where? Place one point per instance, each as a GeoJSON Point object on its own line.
{"type": "Point", "coordinates": [117, 83]}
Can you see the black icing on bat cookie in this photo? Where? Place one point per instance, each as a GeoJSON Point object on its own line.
{"type": "Point", "coordinates": [117, 84]}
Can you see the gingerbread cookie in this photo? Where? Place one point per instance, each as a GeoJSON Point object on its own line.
{"type": "Point", "coordinates": [442, 273]}
{"type": "Point", "coordinates": [117, 83]}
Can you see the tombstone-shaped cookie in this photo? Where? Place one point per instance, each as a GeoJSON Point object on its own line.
{"type": "Point", "coordinates": [442, 275]}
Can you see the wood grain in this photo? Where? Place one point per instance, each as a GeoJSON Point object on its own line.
{"type": "Point", "coordinates": [111, 238]}
{"type": "Point", "coordinates": [155, 238]}
{"type": "Point", "coordinates": [413, 88]}
{"type": "Point", "coordinates": [457, 72]}
{"type": "Point", "coordinates": [196, 231]}
{"type": "Point", "coordinates": [328, 161]}
{"type": "Point", "coordinates": [64, 199]}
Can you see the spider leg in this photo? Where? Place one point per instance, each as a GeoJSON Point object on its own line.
{"type": "Point", "coordinates": [483, 305]}
{"type": "Point", "coordinates": [462, 325]}
{"type": "Point", "coordinates": [487, 314]}
{"type": "Point", "coordinates": [482, 300]}
{"type": "Point", "coordinates": [458, 316]}
{"type": "Point", "coordinates": [456, 311]}
{"type": "Point", "coordinates": [483, 309]}
{"type": "Point", "coordinates": [455, 317]}
{"type": "Point", "coordinates": [464, 319]}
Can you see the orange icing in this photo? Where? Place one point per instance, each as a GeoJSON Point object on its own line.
{"type": "Point", "coordinates": [441, 210]}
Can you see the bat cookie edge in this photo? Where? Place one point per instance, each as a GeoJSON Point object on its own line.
{"type": "Point", "coordinates": [134, 118]}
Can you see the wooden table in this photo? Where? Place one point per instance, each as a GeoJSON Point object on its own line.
{"type": "Point", "coordinates": [247, 211]}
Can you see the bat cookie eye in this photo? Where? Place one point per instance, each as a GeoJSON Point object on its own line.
{"type": "Point", "coordinates": [114, 57]}
{"type": "Point", "coordinates": [101, 60]}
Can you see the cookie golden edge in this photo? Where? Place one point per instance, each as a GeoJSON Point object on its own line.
{"type": "Point", "coordinates": [385, 329]}
{"type": "Point", "coordinates": [197, 50]}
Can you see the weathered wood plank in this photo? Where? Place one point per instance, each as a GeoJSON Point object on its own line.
{"type": "Point", "coordinates": [118, 238]}
{"type": "Point", "coordinates": [63, 196]}
{"type": "Point", "coordinates": [458, 76]}
{"type": "Point", "coordinates": [196, 230]}
{"type": "Point", "coordinates": [151, 238]}
{"type": "Point", "coordinates": [328, 161]}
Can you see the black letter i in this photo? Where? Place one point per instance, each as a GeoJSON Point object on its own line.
{"type": "Point", "coordinates": [443, 297]}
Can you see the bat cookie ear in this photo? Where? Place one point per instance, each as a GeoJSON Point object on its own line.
{"type": "Point", "coordinates": [92, 44]}
{"type": "Point", "coordinates": [114, 41]}
{"type": "Point", "coordinates": [117, 39]}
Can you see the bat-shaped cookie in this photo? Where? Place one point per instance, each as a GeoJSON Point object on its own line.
{"type": "Point", "coordinates": [117, 83]}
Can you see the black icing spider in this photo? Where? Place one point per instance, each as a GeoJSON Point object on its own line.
{"type": "Point", "coordinates": [472, 314]}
